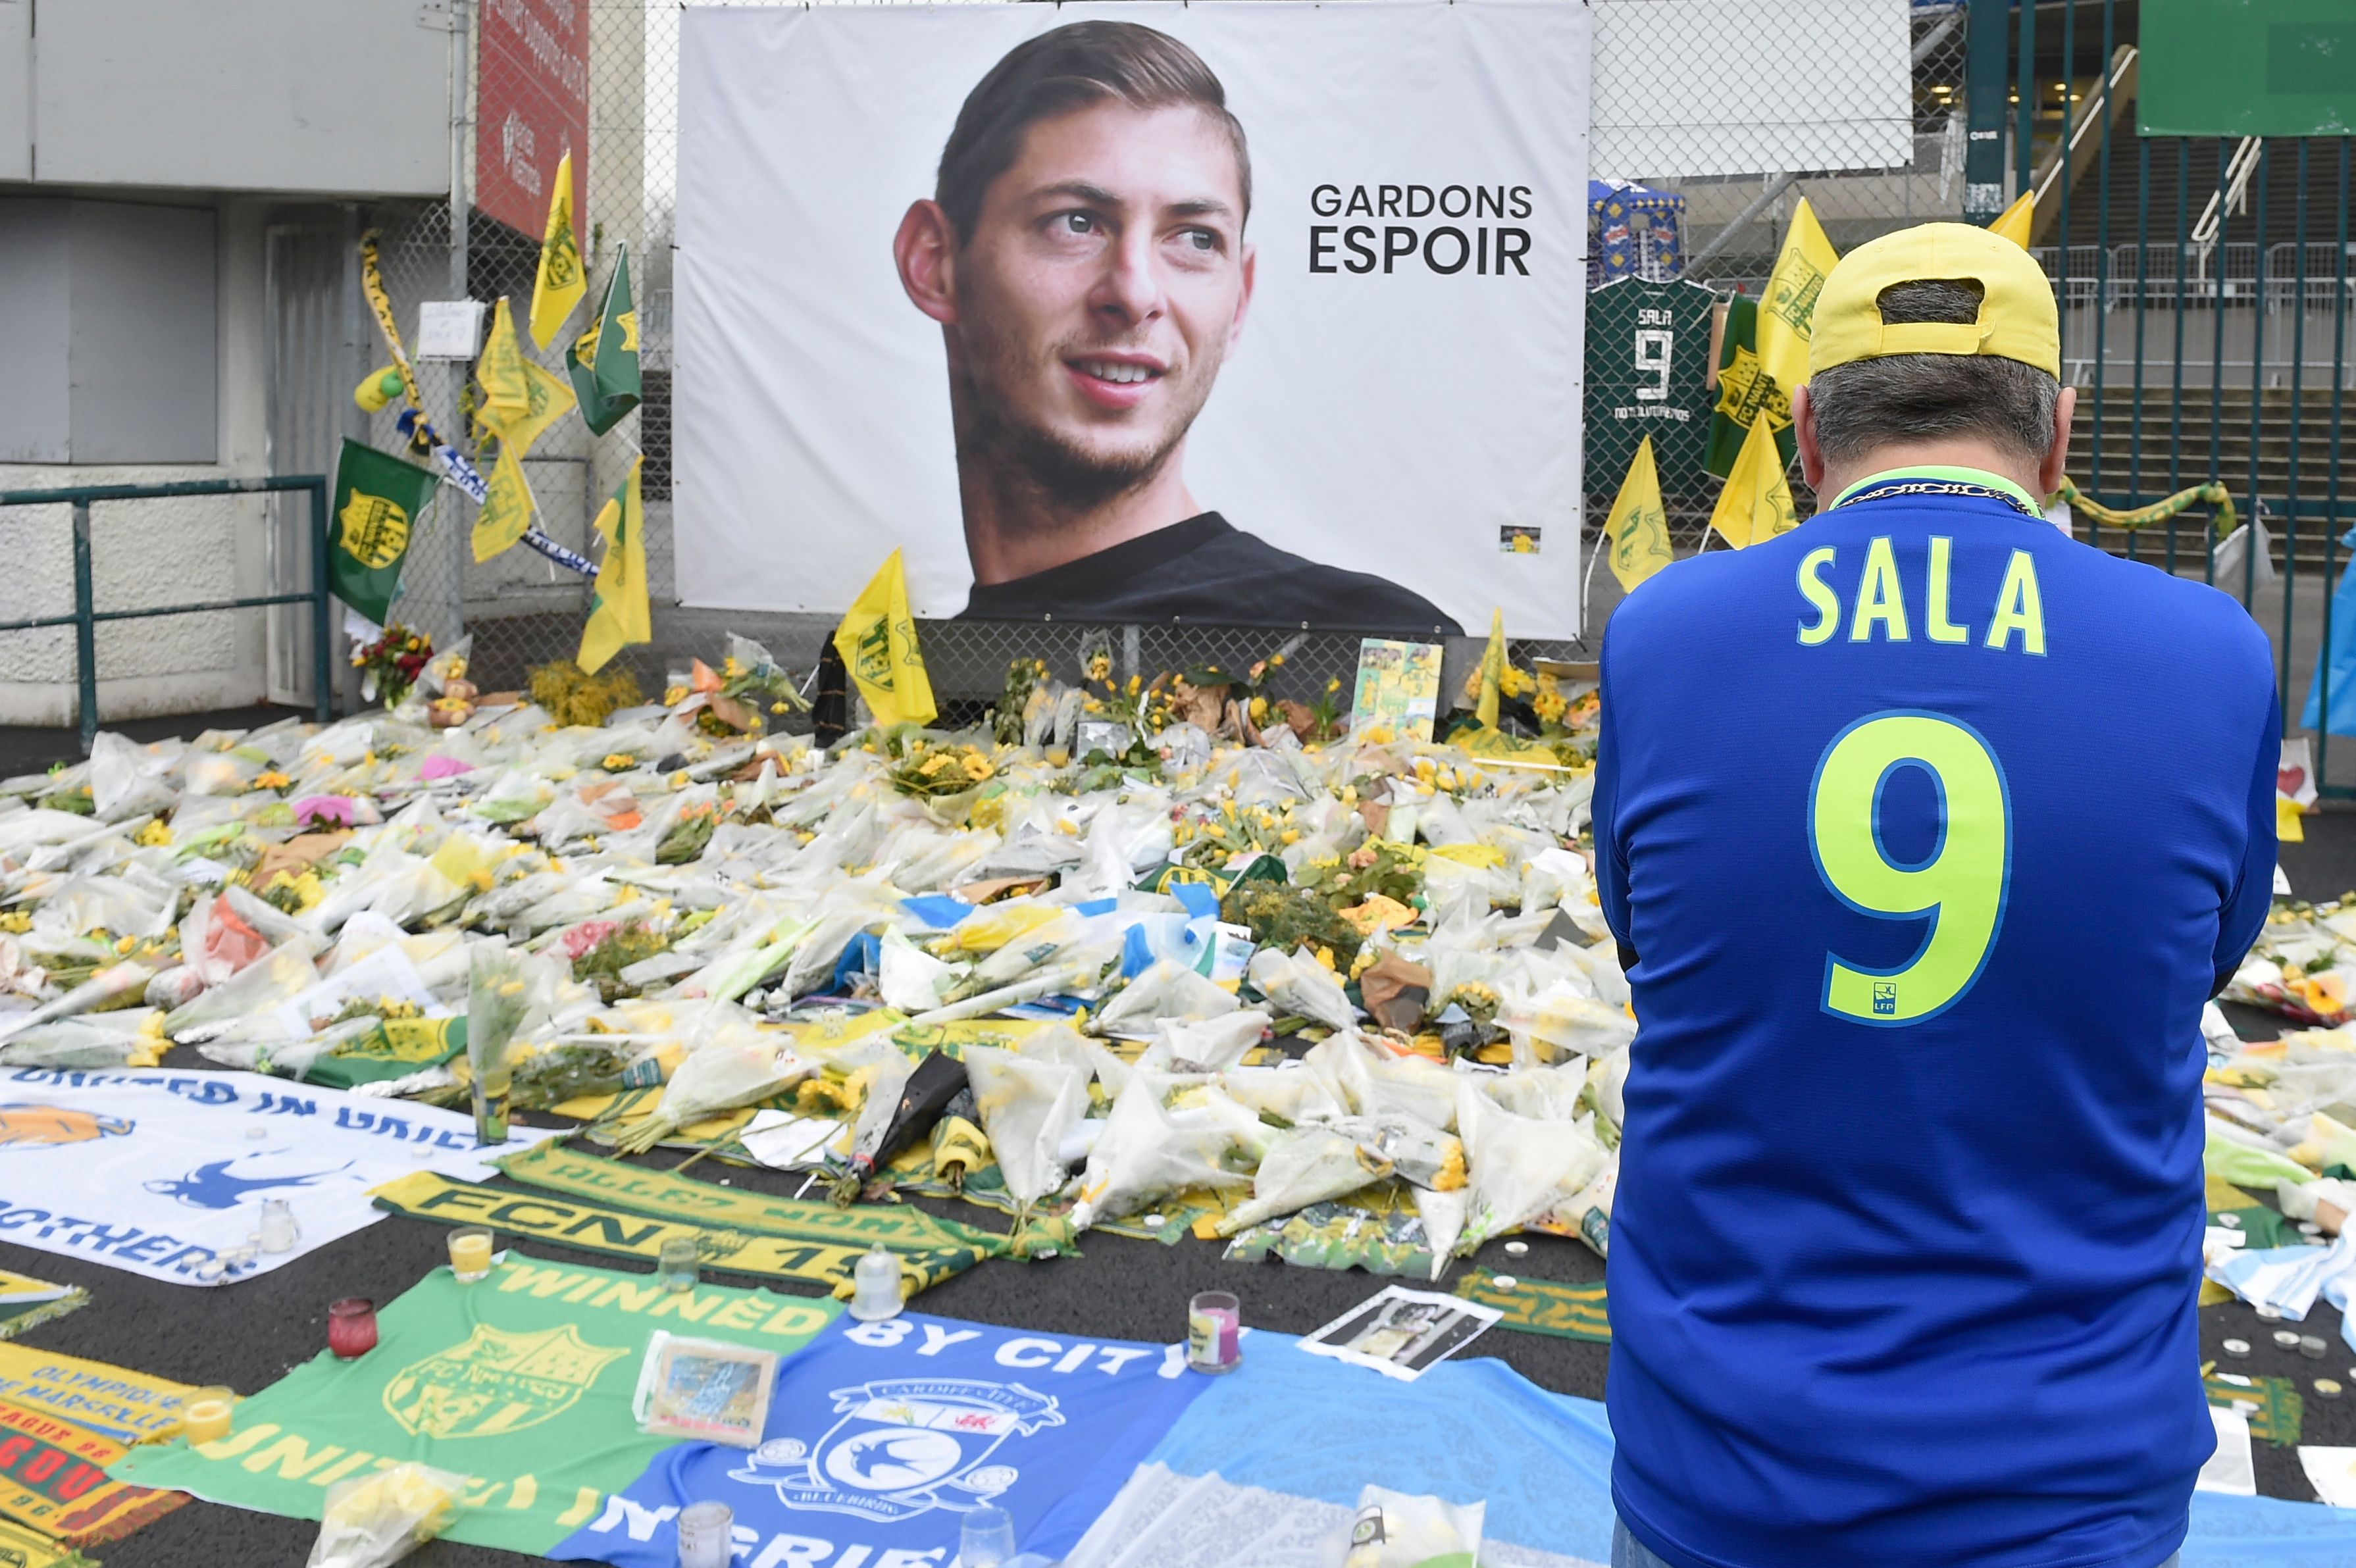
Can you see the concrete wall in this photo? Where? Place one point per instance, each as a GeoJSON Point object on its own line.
{"type": "Point", "coordinates": [328, 97]}
{"type": "Point", "coordinates": [107, 324]}
{"type": "Point", "coordinates": [147, 553]}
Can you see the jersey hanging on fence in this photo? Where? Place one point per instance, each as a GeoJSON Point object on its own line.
{"type": "Point", "coordinates": [1648, 369]}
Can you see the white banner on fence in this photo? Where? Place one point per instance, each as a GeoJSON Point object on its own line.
{"type": "Point", "coordinates": [1690, 87]}
{"type": "Point", "coordinates": [933, 295]}
{"type": "Point", "coordinates": [165, 1173]}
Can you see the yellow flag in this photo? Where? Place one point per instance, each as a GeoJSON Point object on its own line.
{"type": "Point", "coordinates": [549, 399]}
{"type": "Point", "coordinates": [618, 614]}
{"type": "Point", "coordinates": [877, 641]}
{"type": "Point", "coordinates": [1787, 313]}
{"type": "Point", "coordinates": [508, 511]}
{"type": "Point", "coordinates": [1756, 503]}
{"type": "Point", "coordinates": [2014, 221]}
{"type": "Point", "coordinates": [506, 390]}
{"type": "Point", "coordinates": [1492, 670]}
{"type": "Point", "coordinates": [560, 285]}
{"type": "Point", "coordinates": [1637, 532]}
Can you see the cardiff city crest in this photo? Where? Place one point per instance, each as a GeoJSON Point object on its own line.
{"type": "Point", "coordinates": [495, 1382]}
{"type": "Point", "coordinates": [904, 1447]}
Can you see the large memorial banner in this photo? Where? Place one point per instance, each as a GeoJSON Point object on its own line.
{"type": "Point", "coordinates": [1248, 314]}
{"type": "Point", "coordinates": [165, 1173]}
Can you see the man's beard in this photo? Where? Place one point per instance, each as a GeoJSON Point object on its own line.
{"type": "Point", "coordinates": [1065, 480]}
{"type": "Point", "coordinates": [1052, 482]}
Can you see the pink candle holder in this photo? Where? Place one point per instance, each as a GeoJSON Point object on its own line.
{"type": "Point", "coordinates": [351, 1328]}
{"type": "Point", "coordinates": [1214, 1332]}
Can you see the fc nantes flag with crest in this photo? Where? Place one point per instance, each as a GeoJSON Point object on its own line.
{"type": "Point", "coordinates": [618, 613]}
{"type": "Point", "coordinates": [1787, 316]}
{"type": "Point", "coordinates": [1745, 391]}
{"type": "Point", "coordinates": [559, 285]}
{"type": "Point", "coordinates": [378, 502]}
{"type": "Point", "coordinates": [523, 1383]}
{"type": "Point", "coordinates": [1756, 503]}
{"type": "Point", "coordinates": [877, 641]}
{"type": "Point", "coordinates": [1637, 532]}
{"type": "Point", "coordinates": [604, 363]}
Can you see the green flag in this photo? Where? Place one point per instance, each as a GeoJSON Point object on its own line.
{"type": "Point", "coordinates": [604, 362]}
{"type": "Point", "coordinates": [1745, 391]}
{"type": "Point", "coordinates": [378, 502]}
{"type": "Point", "coordinates": [520, 1381]}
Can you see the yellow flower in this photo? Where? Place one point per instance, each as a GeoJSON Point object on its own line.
{"type": "Point", "coordinates": [673, 696]}
{"type": "Point", "coordinates": [618, 761]}
{"type": "Point", "coordinates": [732, 667]}
{"type": "Point", "coordinates": [1099, 667]}
{"type": "Point", "coordinates": [1136, 684]}
{"type": "Point", "coordinates": [17, 922]}
{"type": "Point", "coordinates": [1258, 708]}
{"type": "Point", "coordinates": [270, 778]}
{"type": "Point", "coordinates": [155, 834]}
{"type": "Point", "coordinates": [977, 766]}
{"type": "Point", "coordinates": [1333, 685]}
{"type": "Point", "coordinates": [776, 707]}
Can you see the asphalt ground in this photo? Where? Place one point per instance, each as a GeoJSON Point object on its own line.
{"type": "Point", "coordinates": [250, 1335]}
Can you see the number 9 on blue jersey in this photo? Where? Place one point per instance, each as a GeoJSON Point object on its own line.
{"type": "Point", "coordinates": [1959, 890]}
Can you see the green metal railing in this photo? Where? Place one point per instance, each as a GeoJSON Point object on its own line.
{"type": "Point", "coordinates": [86, 615]}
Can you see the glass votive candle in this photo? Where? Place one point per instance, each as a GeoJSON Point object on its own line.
{"type": "Point", "coordinates": [675, 1265]}
{"type": "Point", "coordinates": [279, 1232]}
{"type": "Point", "coordinates": [470, 1253]}
{"type": "Point", "coordinates": [706, 1535]}
{"type": "Point", "coordinates": [986, 1537]}
{"type": "Point", "coordinates": [206, 1415]}
{"type": "Point", "coordinates": [351, 1327]}
{"type": "Point", "coordinates": [1214, 1332]}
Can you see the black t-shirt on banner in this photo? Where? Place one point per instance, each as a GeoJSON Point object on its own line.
{"type": "Point", "coordinates": [1206, 572]}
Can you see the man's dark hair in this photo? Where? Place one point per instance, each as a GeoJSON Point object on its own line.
{"type": "Point", "coordinates": [1914, 397]}
{"type": "Point", "coordinates": [1070, 68]}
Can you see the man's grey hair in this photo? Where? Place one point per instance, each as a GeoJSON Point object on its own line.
{"type": "Point", "coordinates": [1916, 396]}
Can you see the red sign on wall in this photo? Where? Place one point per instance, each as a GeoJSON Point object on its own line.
{"type": "Point", "coordinates": [532, 106]}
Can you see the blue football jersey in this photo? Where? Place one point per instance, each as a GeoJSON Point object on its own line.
{"type": "Point", "coordinates": [1927, 832]}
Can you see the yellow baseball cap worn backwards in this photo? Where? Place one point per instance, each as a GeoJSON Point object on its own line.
{"type": "Point", "coordinates": [2017, 316]}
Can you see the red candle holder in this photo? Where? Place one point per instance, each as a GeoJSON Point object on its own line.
{"type": "Point", "coordinates": [351, 1327]}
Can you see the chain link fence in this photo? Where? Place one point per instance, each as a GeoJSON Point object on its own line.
{"type": "Point", "coordinates": [599, 78]}
{"type": "Point", "coordinates": [1639, 337]}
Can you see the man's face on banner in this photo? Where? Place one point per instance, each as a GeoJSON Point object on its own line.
{"type": "Point", "coordinates": [1104, 283]}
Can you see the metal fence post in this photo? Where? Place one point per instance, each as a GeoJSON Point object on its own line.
{"type": "Point", "coordinates": [323, 663]}
{"type": "Point", "coordinates": [85, 626]}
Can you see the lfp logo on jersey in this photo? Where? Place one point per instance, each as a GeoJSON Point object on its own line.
{"type": "Point", "coordinates": [882, 1437]}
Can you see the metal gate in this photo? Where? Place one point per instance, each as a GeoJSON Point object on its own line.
{"type": "Point", "coordinates": [2204, 289]}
